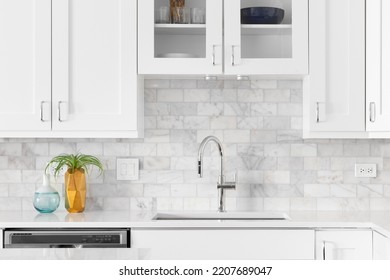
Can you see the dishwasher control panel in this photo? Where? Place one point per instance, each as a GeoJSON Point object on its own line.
{"type": "Point", "coordinates": [67, 238]}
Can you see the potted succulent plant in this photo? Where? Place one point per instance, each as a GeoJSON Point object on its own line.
{"type": "Point", "coordinates": [75, 180]}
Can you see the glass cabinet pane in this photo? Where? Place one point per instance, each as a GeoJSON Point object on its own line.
{"type": "Point", "coordinates": [180, 32]}
{"type": "Point", "coordinates": [266, 29]}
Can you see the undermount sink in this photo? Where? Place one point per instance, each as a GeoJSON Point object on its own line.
{"type": "Point", "coordinates": [242, 216]}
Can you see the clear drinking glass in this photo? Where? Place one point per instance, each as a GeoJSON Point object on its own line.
{"type": "Point", "coordinates": [162, 15]}
{"type": "Point", "coordinates": [198, 15]}
{"type": "Point", "coordinates": [180, 15]}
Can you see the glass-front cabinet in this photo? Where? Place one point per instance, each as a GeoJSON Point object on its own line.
{"type": "Point", "coordinates": [234, 37]}
{"type": "Point", "coordinates": [179, 40]}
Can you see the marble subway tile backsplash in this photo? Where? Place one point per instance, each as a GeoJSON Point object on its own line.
{"type": "Point", "coordinates": [260, 124]}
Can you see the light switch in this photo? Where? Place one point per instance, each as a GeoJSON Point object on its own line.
{"type": "Point", "coordinates": [127, 169]}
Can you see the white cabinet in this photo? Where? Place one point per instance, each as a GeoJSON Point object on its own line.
{"type": "Point", "coordinates": [378, 66]}
{"type": "Point", "coordinates": [335, 89]}
{"type": "Point", "coordinates": [25, 65]}
{"type": "Point", "coordinates": [1, 238]}
{"type": "Point", "coordinates": [344, 245]}
{"type": "Point", "coordinates": [70, 68]}
{"type": "Point", "coordinates": [222, 45]}
{"type": "Point", "coordinates": [381, 246]}
{"type": "Point", "coordinates": [245, 243]}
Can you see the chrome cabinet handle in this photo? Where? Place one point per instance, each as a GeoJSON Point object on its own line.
{"type": "Point", "coordinates": [324, 250]}
{"type": "Point", "coordinates": [60, 117]}
{"type": "Point", "coordinates": [372, 112]}
{"type": "Point", "coordinates": [318, 112]}
{"type": "Point", "coordinates": [41, 111]}
{"type": "Point", "coordinates": [213, 56]}
{"type": "Point", "coordinates": [233, 58]}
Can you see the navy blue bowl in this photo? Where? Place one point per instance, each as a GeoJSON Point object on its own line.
{"type": "Point", "coordinates": [262, 15]}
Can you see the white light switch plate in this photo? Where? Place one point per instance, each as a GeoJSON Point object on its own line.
{"type": "Point", "coordinates": [365, 170]}
{"type": "Point", "coordinates": [127, 169]}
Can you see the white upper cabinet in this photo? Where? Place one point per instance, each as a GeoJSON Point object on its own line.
{"type": "Point", "coordinates": [335, 88]}
{"type": "Point", "coordinates": [94, 65]}
{"type": "Point", "coordinates": [378, 66]}
{"type": "Point", "coordinates": [222, 44]}
{"type": "Point", "coordinates": [69, 69]}
{"type": "Point", "coordinates": [25, 65]}
{"type": "Point", "coordinates": [255, 49]}
{"type": "Point", "coordinates": [181, 48]}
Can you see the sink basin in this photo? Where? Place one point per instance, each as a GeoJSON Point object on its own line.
{"type": "Point", "coordinates": [242, 216]}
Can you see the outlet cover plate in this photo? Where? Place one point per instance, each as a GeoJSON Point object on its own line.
{"type": "Point", "coordinates": [365, 170]}
{"type": "Point", "coordinates": [127, 169]}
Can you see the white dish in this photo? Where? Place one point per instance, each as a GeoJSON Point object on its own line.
{"type": "Point", "coordinates": [176, 55]}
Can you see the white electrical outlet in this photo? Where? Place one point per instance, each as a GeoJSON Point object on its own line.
{"type": "Point", "coordinates": [365, 170]}
{"type": "Point", "coordinates": [127, 169]}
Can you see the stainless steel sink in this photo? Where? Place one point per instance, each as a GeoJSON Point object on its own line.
{"type": "Point", "coordinates": [202, 216]}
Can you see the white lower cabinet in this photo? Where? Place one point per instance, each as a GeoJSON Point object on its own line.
{"type": "Point", "coordinates": [344, 244]}
{"type": "Point", "coordinates": [381, 246]}
{"type": "Point", "coordinates": [244, 243]}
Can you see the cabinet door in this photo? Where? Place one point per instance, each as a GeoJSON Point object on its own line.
{"type": "Point", "coordinates": [222, 244]}
{"type": "Point", "coordinates": [266, 48]}
{"type": "Point", "coordinates": [378, 66]}
{"type": "Point", "coordinates": [94, 65]}
{"type": "Point", "coordinates": [335, 93]}
{"type": "Point", "coordinates": [381, 247]}
{"type": "Point", "coordinates": [344, 245]}
{"type": "Point", "coordinates": [175, 48]}
{"type": "Point", "coordinates": [25, 65]}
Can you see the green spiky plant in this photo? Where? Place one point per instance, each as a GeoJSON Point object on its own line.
{"type": "Point", "coordinates": [74, 162]}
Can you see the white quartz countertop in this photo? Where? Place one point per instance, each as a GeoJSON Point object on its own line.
{"type": "Point", "coordinates": [379, 221]}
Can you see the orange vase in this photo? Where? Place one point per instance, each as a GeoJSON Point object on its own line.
{"type": "Point", "coordinates": [75, 191]}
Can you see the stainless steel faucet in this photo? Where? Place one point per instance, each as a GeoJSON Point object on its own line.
{"type": "Point", "coordinates": [221, 185]}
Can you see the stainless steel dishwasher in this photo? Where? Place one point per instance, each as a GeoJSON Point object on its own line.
{"type": "Point", "coordinates": [67, 238]}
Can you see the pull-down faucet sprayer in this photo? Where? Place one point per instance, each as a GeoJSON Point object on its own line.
{"type": "Point", "coordinates": [221, 185]}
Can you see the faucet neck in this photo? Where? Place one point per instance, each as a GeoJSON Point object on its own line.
{"type": "Point", "coordinates": [201, 151]}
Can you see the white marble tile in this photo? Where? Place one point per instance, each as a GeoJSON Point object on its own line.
{"type": "Point", "coordinates": [276, 204]}
{"type": "Point", "coordinates": [157, 190]}
{"type": "Point", "coordinates": [228, 84]}
{"type": "Point", "coordinates": [10, 176]}
{"type": "Point", "coordinates": [4, 190]}
{"type": "Point", "coordinates": [289, 84]}
{"type": "Point", "coordinates": [277, 150]}
{"type": "Point", "coordinates": [250, 95]}
{"type": "Point", "coordinates": [156, 163]}
{"type": "Point", "coordinates": [316, 163]}
{"type": "Point", "coordinates": [184, 163]}
{"type": "Point", "coordinates": [10, 149]}
{"type": "Point", "coordinates": [296, 123]}
{"type": "Point", "coordinates": [276, 123]}
{"type": "Point", "coordinates": [250, 204]}
{"type": "Point", "coordinates": [10, 204]}
{"type": "Point", "coordinates": [170, 95]}
{"type": "Point", "coordinates": [150, 95]}
{"type": "Point", "coordinates": [237, 109]}
{"type": "Point", "coordinates": [264, 109]}
{"type": "Point", "coordinates": [156, 109]}
{"type": "Point", "coordinates": [236, 136]}
{"type": "Point", "coordinates": [207, 190]}
{"type": "Point", "coordinates": [156, 83]}
{"type": "Point", "coordinates": [157, 136]}
{"type": "Point", "coordinates": [183, 109]}
{"type": "Point", "coordinates": [62, 148]}
{"type": "Point", "coordinates": [249, 122]}
{"type": "Point", "coordinates": [202, 134]}
{"type": "Point", "coordinates": [183, 83]}
{"type": "Point", "coordinates": [21, 190]}
{"type": "Point", "coordinates": [356, 150]}
{"type": "Point", "coordinates": [221, 122]}
{"type": "Point", "coordinates": [196, 203]}
{"type": "Point", "coordinates": [116, 149]}
{"type": "Point", "coordinates": [263, 136]}
{"type": "Point", "coordinates": [303, 204]}
{"type": "Point", "coordinates": [35, 149]}
{"type": "Point", "coordinates": [90, 148]}
{"type": "Point", "coordinates": [183, 190]}
{"type": "Point", "coordinates": [274, 95]}
{"type": "Point", "coordinates": [316, 190]}
{"type": "Point", "coordinates": [143, 203]}
{"type": "Point", "coordinates": [380, 204]}
{"type": "Point", "coordinates": [210, 109]}
{"type": "Point", "coordinates": [303, 150]}
{"type": "Point", "coordinates": [183, 136]}
{"type": "Point", "coordinates": [263, 84]}
{"type": "Point", "coordinates": [170, 177]}
{"type": "Point", "coordinates": [197, 95]}
{"type": "Point", "coordinates": [370, 190]}
{"type": "Point", "coordinates": [290, 163]}
{"type": "Point", "coordinates": [143, 149]}
{"type": "Point", "coordinates": [277, 177]}
{"type": "Point", "coordinates": [330, 150]}
{"type": "Point", "coordinates": [328, 177]}
{"type": "Point", "coordinates": [170, 149]}
{"type": "Point", "coordinates": [170, 122]}
{"type": "Point", "coordinates": [226, 95]}
{"type": "Point", "coordinates": [290, 109]}
{"type": "Point", "coordinates": [343, 163]}
{"type": "Point", "coordinates": [196, 122]}
{"type": "Point", "coordinates": [343, 190]}
{"type": "Point", "coordinates": [147, 176]}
